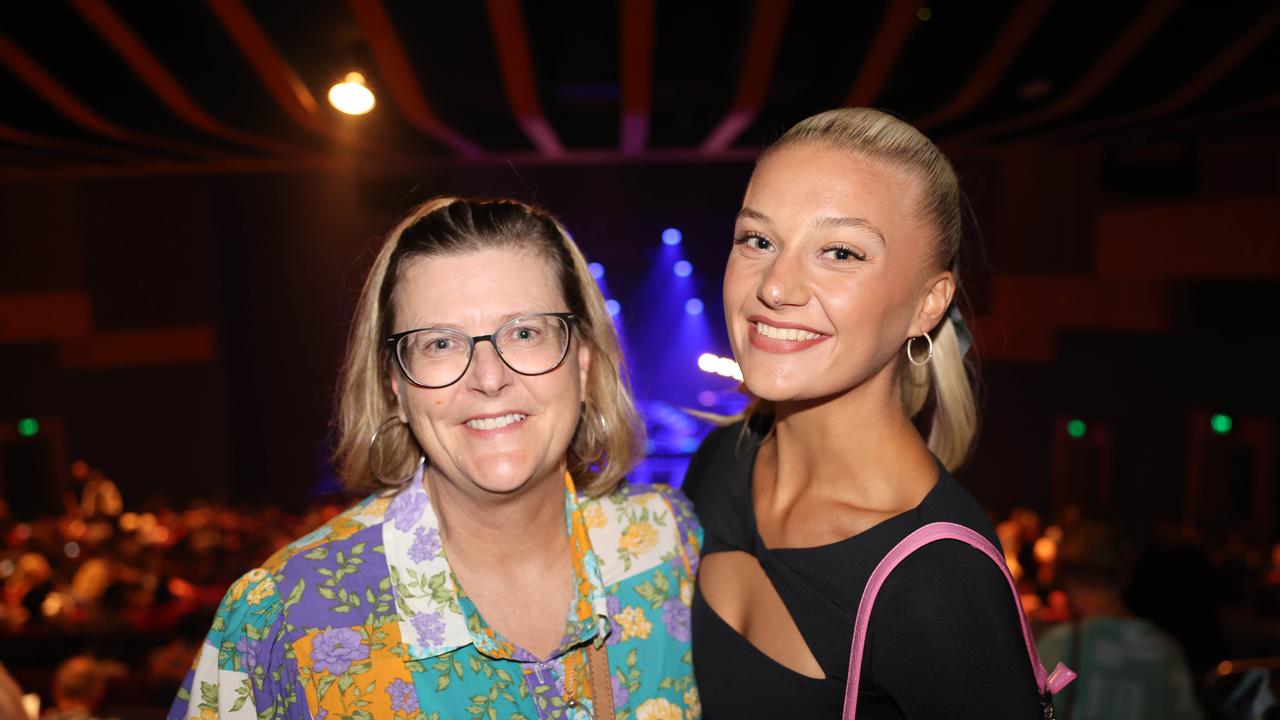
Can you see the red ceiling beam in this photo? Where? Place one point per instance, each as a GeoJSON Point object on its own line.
{"type": "Point", "coordinates": [279, 78]}
{"type": "Point", "coordinates": [895, 27]}
{"type": "Point", "coordinates": [43, 142]}
{"type": "Point", "coordinates": [1013, 36]}
{"type": "Point", "coordinates": [397, 73]}
{"type": "Point", "coordinates": [506, 21]}
{"type": "Point", "coordinates": [1257, 33]}
{"type": "Point", "coordinates": [759, 55]}
{"type": "Point", "coordinates": [160, 81]}
{"type": "Point", "coordinates": [61, 99]}
{"type": "Point", "coordinates": [636, 74]}
{"type": "Point", "coordinates": [1109, 64]}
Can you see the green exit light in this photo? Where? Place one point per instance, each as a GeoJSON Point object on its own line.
{"type": "Point", "coordinates": [28, 427]}
{"type": "Point", "coordinates": [1077, 428]}
{"type": "Point", "coordinates": [1221, 424]}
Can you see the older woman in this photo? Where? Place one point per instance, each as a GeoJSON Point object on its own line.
{"type": "Point", "coordinates": [500, 569]}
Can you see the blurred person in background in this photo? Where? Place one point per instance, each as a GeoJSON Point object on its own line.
{"type": "Point", "coordinates": [79, 687]}
{"type": "Point", "coordinates": [1128, 669]}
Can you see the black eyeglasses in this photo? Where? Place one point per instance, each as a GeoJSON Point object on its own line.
{"type": "Point", "coordinates": [438, 357]}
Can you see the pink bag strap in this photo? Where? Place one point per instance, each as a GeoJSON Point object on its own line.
{"type": "Point", "coordinates": [1046, 682]}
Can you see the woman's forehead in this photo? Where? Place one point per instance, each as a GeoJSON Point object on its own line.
{"type": "Point", "coordinates": [477, 287]}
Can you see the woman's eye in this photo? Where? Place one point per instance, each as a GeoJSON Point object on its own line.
{"type": "Point", "coordinates": [754, 242]}
{"type": "Point", "coordinates": [842, 254]}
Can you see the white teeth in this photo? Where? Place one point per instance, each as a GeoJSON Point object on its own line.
{"type": "Point", "coordinates": [774, 333]}
{"type": "Point", "coordinates": [495, 423]}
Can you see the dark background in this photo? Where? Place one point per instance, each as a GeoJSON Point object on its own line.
{"type": "Point", "coordinates": [185, 223]}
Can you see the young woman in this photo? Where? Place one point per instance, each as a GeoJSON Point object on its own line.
{"type": "Point", "coordinates": [838, 297]}
{"type": "Point", "coordinates": [505, 572]}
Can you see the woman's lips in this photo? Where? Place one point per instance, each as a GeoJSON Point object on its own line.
{"type": "Point", "coordinates": [781, 340]}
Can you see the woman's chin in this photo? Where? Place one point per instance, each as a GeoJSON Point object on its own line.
{"type": "Point", "coordinates": [504, 475]}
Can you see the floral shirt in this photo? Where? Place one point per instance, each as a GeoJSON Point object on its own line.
{"type": "Point", "coordinates": [364, 619]}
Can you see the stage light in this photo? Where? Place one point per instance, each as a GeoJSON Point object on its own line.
{"type": "Point", "coordinates": [613, 306]}
{"type": "Point", "coordinates": [716, 365]}
{"type": "Point", "coordinates": [71, 549]}
{"type": "Point", "coordinates": [693, 306]}
{"type": "Point", "coordinates": [1221, 424]}
{"type": "Point", "coordinates": [352, 96]}
{"type": "Point", "coordinates": [596, 270]}
{"type": "Point", "coordinates": [671, 236]}
{"type": "Point", "coordinates": [924, 14]}
{"type": "Point", "coordinates": [682, 268]}
{"type": "Point", "coordinates": [28, 427]}
{"type": "Point", "coordinates": [1077, 428]}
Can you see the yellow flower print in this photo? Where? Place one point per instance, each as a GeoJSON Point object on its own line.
{"type": "Point", "coordinates": [686, 593]}
{"type": "Point", "coordinates": [261, 592]}
{"type": "Point", "coordinates": [593, 515]}
{"type": "Point", "coordinates": [638, 538]}
{"type": "Point", "coordinates": [634, 623]}
{"type": "Point", "coordinates": [206, 713]}
{"type": "Point", "coordinates": [692, 702]}
{"type": "Point", "coordinates": [253, 576]}
{"type": "Point", "coordinates": [659, 709]}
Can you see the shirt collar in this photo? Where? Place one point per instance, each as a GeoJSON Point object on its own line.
{"type": "Point", "coordinates": [436, 616]}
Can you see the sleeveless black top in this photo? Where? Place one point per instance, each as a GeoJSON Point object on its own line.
{"type": "Point", "coordinates": [944, 640]}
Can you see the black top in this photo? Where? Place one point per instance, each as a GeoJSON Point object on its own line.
{"type": "Point", "coordinates": [944, 640]}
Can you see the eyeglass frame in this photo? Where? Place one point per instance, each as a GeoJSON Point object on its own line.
{"type": "Point", "coordinates": [472, 340]}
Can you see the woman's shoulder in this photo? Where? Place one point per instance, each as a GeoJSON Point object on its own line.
{"type": "Point", "coordinates": [720, 459]}
{"type": "Point", "coordinates": [363, 515]}
{"type": "Point", "coordinates": [258, 592]}
{"type": "Point", "coordinates": [640, 526]}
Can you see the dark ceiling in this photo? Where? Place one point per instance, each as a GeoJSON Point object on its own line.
{"type": "Point", "coordinates": [108, 86]}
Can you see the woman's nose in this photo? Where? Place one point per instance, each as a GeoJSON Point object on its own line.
{"type": "Point", "coordinates": [488, 373]}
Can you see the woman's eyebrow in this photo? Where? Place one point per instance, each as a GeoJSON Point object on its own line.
{"type": "Point", "coordinates": [850, 222]}
{"type": "Point", "coordinates": [747, 213]}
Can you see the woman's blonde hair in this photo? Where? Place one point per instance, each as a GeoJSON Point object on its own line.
{"type": "Point", "coordinates": [946, 379]}
{"type": "Point", "coordinates": [609, 437]}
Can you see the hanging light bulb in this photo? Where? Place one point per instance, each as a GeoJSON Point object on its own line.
{"type": "Point", "coordinates": [352, 96]}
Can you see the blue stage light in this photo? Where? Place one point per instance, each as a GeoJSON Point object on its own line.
{"type": "Point", "coordinates": [596, 270]}
{"type": "Point", "coordinates": [682, 268]}
{"type": "Point", "coordinates": [693, 306]}
{"type": "Point", "coordinates": [671, 236]}
{"type": "Point", "coordinates": [613, 306]}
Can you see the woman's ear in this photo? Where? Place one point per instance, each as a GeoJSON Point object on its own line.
{"type": "Point", "coordinates": [937, 298]}
{"type": "Point", "coordinates": [584, 365]}
{"type": "Point", "coordinates": [400, 402]}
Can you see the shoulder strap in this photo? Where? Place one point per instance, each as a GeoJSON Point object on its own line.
{"type": "Point", "coordinates": [1046, 682]}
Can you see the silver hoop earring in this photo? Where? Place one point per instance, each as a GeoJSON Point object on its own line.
{"type": "Point", "coordinates": [911, 358]}
{"type": "Point", "coordinates": [373, 466]}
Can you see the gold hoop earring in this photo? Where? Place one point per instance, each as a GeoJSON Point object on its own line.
{"type": "Point", "coordinates": [373, 465]}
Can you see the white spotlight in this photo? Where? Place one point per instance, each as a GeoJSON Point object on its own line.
{"type": "Point", "coordinates": [352, 96]}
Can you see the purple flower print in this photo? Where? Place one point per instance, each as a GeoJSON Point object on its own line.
{"type": "Point", "coordinates": [426, 545]}
{"type": "Point", "coordinates": [675, 615]}
{"type": "Point", "coordinates": [324, 713]}
{"type": "Point", "coordinates": [334, 650]}
{"type": "Point", "coordinates": [407, 507]}
{"type": "Point", "coordinates": [620, 694]}
{"type": "Point", "coordinates": [615, 630]}
{"type": "Point", "coordinates": [247, 650]}
{"type": "Point", "coordinates": [430, 627]}
{"type": "Point", "coordinates": [403, 698]}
